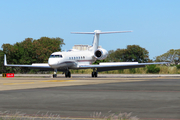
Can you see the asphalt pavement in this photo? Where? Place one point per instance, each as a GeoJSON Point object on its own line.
{"type": "Point", "coordinates": [146, 98]}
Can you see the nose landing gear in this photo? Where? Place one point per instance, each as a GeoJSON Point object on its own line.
{"type": "Point", "coordinates": [94, 73]}
{"type": "Point", "coordinates": [55, 73]}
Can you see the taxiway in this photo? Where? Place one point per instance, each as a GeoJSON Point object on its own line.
{"type": "Point", "coordinates": [146, 98]}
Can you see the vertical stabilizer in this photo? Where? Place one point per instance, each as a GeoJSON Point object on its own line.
{"type": "Point", "coordinates": [96, 36]}
{"type": "Point", "coordinates": [96, 40]}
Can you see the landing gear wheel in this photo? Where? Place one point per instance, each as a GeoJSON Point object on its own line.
{"type": "Point", "coordinates": [68, 74]}
{"type": "Point", "coordinates": [54, 75]}
{"type": "Point", "coordinates": [94, 74]}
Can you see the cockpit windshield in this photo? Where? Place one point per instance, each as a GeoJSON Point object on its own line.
{"type": "Point", "coordinates": [55, 56]}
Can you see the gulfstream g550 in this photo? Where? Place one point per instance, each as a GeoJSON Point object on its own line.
{"type": "Point", "coordinates": [75, 59]}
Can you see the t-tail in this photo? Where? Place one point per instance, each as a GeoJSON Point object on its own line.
{"type": "Point", "coordinates": [96, 36]}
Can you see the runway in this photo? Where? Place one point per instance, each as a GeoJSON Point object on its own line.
{"type": "Point", "coordinates": [146, 98]}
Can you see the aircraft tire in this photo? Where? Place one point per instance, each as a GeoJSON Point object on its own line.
{"type": "Point", "coordinates": [69, 74]}
{"type": "Point", "coordinates": [95, 74]}
{"type": "Point", "coordinates": [66, 75]}
{"type": "Point", "coordinates": [54, 75]}
{"type": "Point", "coordinates": [92, 74]}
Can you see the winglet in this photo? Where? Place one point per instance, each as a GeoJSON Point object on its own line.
{"type": "Point", "coordinates": [5, 61]}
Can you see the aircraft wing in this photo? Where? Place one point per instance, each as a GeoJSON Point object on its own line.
{"type": "Point", "coordinates": [118, 65]}
{"type": "Point", "coordinates": [42, 66]}
{"type": "Point", "coordinates": [33, 66]}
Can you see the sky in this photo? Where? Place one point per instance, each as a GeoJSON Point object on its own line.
{"type": "Point", "coordinates": [155, 23]}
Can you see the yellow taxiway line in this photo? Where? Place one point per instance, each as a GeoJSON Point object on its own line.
{"type": "Point", "coordinates": [37, 82]}
{"type": "Point", "coordinates": [18, 83]}
{"type": "Point", "coordinates": [56, 80]}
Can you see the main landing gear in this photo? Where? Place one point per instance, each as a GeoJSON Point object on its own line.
{"type": "Point", "coordinates": [94, 73]}
{"type": "Point", "coordinates": [67, 74]}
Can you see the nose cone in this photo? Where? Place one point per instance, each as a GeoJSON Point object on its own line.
{"type": "Point", "coordinates": [53, 62]}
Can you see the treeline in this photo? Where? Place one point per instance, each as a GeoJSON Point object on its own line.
{"type": "Point", "coordinates": [29, 51]}
{"type": "Point", "coordinates": [38, 51]}
{"type": "Point", "coordinates": [169, 55]}
{"type": "Point", "coordinates": [133, 53]}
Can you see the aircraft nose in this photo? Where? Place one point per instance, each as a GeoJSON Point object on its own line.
{"type": "Point", "coordinates": [52, 62]}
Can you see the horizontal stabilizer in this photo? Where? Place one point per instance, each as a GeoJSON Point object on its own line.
{"type": "Point", "coordinates": [82, 32]}
{"type": "Point", "coordinates": [99, 32]}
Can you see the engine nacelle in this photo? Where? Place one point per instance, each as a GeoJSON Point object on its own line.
{"type": "Point", "coordinates": [100, 54]}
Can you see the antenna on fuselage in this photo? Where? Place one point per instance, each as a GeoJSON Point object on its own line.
{"type": "Point", "coordinates": [96, 36]}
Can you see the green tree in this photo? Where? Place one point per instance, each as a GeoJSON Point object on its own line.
{"type": "Point", "coordinates": [98, 61]}
{"type": "Point", "coordinates": [44, 46]}
{"type": "Point", "coordinates": [169, 55]}
{"type": "Point", "coordinates": [152, 69]}
{"type": "Point", "coordinates": [136, 53]}
{"type": "Point", "coordinates": [31, 51]}
{"type": "Point", "coordinates": [133, 53]}
{"type": "Point", "coordinates": [111, 56]}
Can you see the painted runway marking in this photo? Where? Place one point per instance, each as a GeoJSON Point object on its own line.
{"type": "Point", "coordinates": [57, 80]}
{"type": "Point", "coordinates": [21, 83]}
{"type": "Point", "coordinates": [93, 90]}
{"type": "Point", "coordinates": [18, 83]}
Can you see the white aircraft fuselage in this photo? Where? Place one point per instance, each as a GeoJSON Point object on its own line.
{"type": "Point", "coordinates": [71, 59]}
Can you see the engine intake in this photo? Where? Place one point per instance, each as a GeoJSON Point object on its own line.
{"type": "Point", "coordinates": [100, 54]}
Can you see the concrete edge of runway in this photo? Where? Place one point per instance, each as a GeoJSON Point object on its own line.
{"type": "Point", "coordinates": [101, 75]}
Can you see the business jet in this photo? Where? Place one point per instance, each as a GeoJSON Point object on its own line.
{"type": "Point", "coordinates": [76, 59]}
